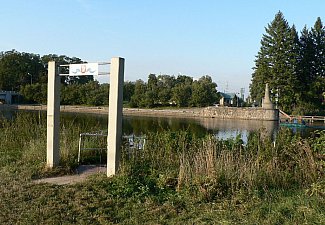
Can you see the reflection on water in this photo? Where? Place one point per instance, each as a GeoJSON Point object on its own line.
{"type": "Point", "coordinates": [140, 125]}
{"type": "Point", "coordinates": [221, 128]}
{"type": "Point", "coordinates": [228, 128]}
{"type": "Point", "coordinates": [137, 125]}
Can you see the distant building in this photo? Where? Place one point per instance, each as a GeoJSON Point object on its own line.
{"type": "Point", "coordinates": [227, 99]}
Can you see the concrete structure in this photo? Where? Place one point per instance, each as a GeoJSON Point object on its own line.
{"type": "Point", "coordinates": [267, 104]}
{"type": "Point", "coordinates": [244, 113]}
{"type": "Point", "coordinates": [115, 115]}
{"type": "Point", "coordinates": [114, 120]}
{"type": "Point", "coordinates": [53, 116]}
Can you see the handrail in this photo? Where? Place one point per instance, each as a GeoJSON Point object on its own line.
{"type": "Point", "coordinates": [283, 113]}
{"type": "Point", "coordinates": [310, 118]}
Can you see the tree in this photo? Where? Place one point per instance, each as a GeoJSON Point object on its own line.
{"type": "Point", "coordinates": [182, 93]}
{"type": "Point", "coordinates": [71, 95]}
{"type": "Point", "coordinates": [152, 91]}
{"type": "Point", "coordinates": [95, 94]}
{"type": "Point", "coordinates": [204, 92]}
{"type": "Point", "coordinates": [91, 93]}
{"type": "Point", "coordinates": [276, 64]}
{"type": "Point", "coordinates": [165, 85]}
{"type": "Point", "coordinates": [183, 79]}
{"type": "Point", "coordinates": [306, 65]}
{"type": "Point", "coordinates": [318, 82]}
{"type": "Point", "coordinates": [34, 93]}
{"type": "Point", "coordinates": [19, 69]}
{"type": "Point", "coordinates": [138, 99]}
{"type": "Point", "coordinates": [128, 90]}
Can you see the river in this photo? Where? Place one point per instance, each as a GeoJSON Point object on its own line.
{"type": "Point", "coordinates": [221, 128]}
{"type": "Point", "coordinates": [140, 125]}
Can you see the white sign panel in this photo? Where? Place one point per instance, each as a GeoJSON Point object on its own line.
{"type": "Point", "coordinates": [83, 69]}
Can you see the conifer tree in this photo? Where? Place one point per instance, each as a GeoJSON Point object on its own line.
{"type": "Point", "coordinates": [276, 64]}
{"type": "Point", "coordinates": [306, 65]}
{"type": "Point", "coordinates": [318, 79]}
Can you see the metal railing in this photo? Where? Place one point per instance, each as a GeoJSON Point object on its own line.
{"type": "Point", "coordinates": [133, 142]}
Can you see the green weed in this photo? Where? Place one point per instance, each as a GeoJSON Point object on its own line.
{"type": "Point", "coordinates": [177, 178]}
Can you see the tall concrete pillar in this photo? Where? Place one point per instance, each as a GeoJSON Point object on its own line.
{"type": "Point", "coordinates": [53, 115]}
{"type": "Point", "coordinates": [267, 104]}
{"type": "Point", "coordinates": [115, 115]}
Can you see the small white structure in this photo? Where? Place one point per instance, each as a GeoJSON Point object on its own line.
{"type": "Point", "coordinates": [114, 120]}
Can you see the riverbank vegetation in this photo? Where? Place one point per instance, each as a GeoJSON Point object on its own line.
{"type": "Point", "coordinates": [178, 178]}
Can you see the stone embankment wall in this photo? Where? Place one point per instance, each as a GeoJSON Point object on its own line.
{"type": "Point", "coordinates": [209, 112]}
{"type": "Point", "coordinates": [241, 113]}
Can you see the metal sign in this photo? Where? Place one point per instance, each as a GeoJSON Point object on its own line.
{"type": "Point", "coordinates": [83, 69]}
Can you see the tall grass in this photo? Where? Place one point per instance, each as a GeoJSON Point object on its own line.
{"type": "Point", "coordinates": [178, 178]}
{"type": "Point", "coordinates": [214, 168]}
{"type": "Point", "coordinates": [23, 141]}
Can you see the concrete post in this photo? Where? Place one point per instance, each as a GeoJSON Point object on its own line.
{"type": "Point", "coordinates": [115, 115]}
{"type": "Point", "coordinates": [267, 104]}
{"type": "Point", "coordinates": [53, 116]}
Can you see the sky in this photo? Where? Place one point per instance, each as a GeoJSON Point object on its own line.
{"type": "Point", "coordinates": [189, 37]}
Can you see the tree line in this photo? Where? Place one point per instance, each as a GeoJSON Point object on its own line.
{"type": "Point", "coordinates": [165, 90]}
{"type": "Point", "coordinates": [293, 65]}
{"type": "Point", "coordinates": [26, 73]}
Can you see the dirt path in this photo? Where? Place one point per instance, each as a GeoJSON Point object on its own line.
{"type": "Point", "coordinates": [82, 172]}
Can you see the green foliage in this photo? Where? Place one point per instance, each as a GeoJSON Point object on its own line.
{"type": "Point", "coordinates": [276, 64]}
{"type": "Point", "coordinates": [317, 144]}
{"type": "Point", "coordinates": [204, 92]}
{"type": "Point", "coordinates": [27, 73]}
{"type": "Point", "coordinates": [34, 93]}
{"type": "Point", "coordinates": [128, 90]}
{"type": "Point", "coordinates": [91, 93]}
{"type": "Point", "coordinates": [165, 90]}
{"type": "Point", "coordinates": [293, 66]}
{"type": "Point", "coordinates": [18, 69]}
{"type": "Point", "coordinates": [177, 179]}
{"type": "Point", "coordinates": [306, 108]}
{"type": "Point", "coordinates": [182, 94]}
{"type": "Point", "coordinates": [138, 99]}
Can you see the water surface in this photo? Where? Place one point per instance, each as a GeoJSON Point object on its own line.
{"type": "Point", "coordinates": [140, 125]}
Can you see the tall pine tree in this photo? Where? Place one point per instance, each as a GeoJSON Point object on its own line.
{"type": "Point", "coordinates": [276, 64]}
{"type": "Point", "coordinates": [318, 82]}
{"type": "Point", "coordinates": [306, 65]}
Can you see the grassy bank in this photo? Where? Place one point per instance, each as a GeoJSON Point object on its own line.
{"type": "Point", "coordinates": [177, 179]}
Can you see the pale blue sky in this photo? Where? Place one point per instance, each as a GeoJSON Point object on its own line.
{"type": "Point", "coordinates": [191, 37]}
